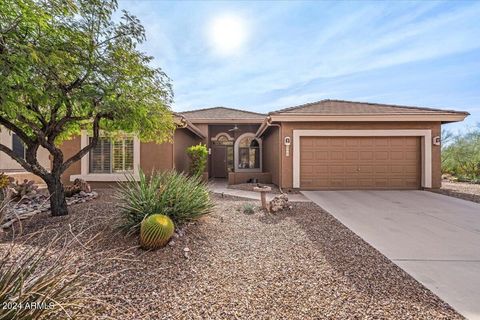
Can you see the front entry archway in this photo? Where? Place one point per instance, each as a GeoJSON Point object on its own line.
{"type": "Point", "coordinates": [221, 160]}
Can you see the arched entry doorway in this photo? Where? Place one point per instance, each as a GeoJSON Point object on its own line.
{"type": "Point", "coordinates": [222, 155]}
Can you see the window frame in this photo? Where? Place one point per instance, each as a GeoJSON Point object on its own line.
{"type": "Point", "coordinates": [105, 177]}
{"type": "Point", "coordinates": [237, 153]}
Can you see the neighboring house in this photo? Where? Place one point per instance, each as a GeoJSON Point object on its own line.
{"type": "Point", "coordinates": [330, 144]}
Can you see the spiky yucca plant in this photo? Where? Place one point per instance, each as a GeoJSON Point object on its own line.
{"type": "Point", "coordinates": [176, 195]}
{"type": "Point", "coordinates": [155, 231]}
{"type": "Point", "coordinates": [36, 285]}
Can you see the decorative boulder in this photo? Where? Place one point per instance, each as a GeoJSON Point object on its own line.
{"type": "Point", "coordinates": [78, 186]}
{"type": "Point", "coordinates": [278, 203]}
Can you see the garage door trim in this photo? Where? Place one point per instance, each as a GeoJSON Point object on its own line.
{"type": "Point", "coordinates": [426, 136]}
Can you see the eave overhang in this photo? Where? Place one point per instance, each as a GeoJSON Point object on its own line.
{"type": "Point", "coordinates": [184, 123]}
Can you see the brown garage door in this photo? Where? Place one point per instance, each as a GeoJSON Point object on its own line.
{"type": "Point", "coordinates": [360, 162]}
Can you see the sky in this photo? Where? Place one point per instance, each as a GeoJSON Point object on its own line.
{"type": "Point", "coordinates": [263, 56]}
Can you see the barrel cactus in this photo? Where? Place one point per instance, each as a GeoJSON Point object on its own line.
{"type": "Point", "coordinates": [155, 231]}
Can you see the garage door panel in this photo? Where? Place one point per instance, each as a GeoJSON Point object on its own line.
{"type": "Point", "coordinates": [337, 155]}
{"type": "Point", "coordinates": [366, 182]}
{"type": "Point", "coordinates": [411, 155]}
{"type": "Point", "coordinates": [363, 169]}
{"type": "Point", "coordinates": [366, 142]}
{"type": "Point", "coordinates": [308, 155]}
{"type": "Point", "coordinates": [397, 169]}
{"type": "Point", "coordinates": [397, 141]}
{"type": "Point", "coordinates": [380, 169]}
{"type": "Point", "coordinates": [366, 155]}
{"type": "Point", "coordinates": [360, 162]}
{"type": "Point", "coordinates": [336, 142]}
{"type": "Point", "coordinates": [351, 155]}
{"type": "Point", "coordinates": [337, 183]}
{"type": "Point", "coordinates": [381, 155]}
{"type": "Point", "coordinates": [321, 169]}
{"type": "Point", "coordinates": [351, 169]}
{"type": "Point", "coordinates": [381, 141]}
{"type": "Point", "coordinates": [321, 155]}
{"type": "Point", "coordinates": [397, 155]}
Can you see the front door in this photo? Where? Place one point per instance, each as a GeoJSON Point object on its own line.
{"type": "Point", "coordinates": [219, 161]}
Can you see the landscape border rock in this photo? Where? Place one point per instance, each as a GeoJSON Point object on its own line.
{"type": "Point", "coordinates": [279, 203]}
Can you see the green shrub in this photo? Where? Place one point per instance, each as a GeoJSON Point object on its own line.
{"type": "Point", "coordinates": [4, 181]}
{"type": "Point", "coordinates": [461, 156]}
{"type": "Point", "coordinates": [198, 159]}
{"type": "Point", "coordinates": [176, 195]}
{"type": "Point", "coordinates": [248, 208]}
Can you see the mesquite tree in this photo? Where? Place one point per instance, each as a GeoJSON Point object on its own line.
{"type": "Point", "coordinates": [67, 66]}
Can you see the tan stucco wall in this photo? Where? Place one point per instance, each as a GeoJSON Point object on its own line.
{"type": "Point", "coordinates": [155, 156]}
{"type": "Point", "coordinates": [244, 177]}
{"type": "Point", "coordinates": [271, 153]}
{"type": "Point", "coordinates": [8, 164]}
{"type": "Point", "coordinates": [182, 140]}
{"type": "Point", "coordinates": [288, 127]}
{"type": "Point", "coordinates": [69, 148]}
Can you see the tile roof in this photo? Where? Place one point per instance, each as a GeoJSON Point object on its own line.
{"type": "Point", "coordinates": [351, 107]}
{"type": "Point", "coordinates": [221, 113]}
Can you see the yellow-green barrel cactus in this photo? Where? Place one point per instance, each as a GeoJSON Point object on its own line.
{"type": "Point", "coordinates": [155, 231]}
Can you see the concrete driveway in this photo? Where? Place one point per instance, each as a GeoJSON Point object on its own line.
{"type": "Point", "coordinates": [435, 238]}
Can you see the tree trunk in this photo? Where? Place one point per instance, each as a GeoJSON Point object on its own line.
{"type": "Point", "coordinates": [58, 204]}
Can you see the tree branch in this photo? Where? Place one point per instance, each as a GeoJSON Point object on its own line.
{"type": "Point", "coordinates": [91, 145]}
{"type": "Point", "coordinates": [49, 145]}
{"type": "Point", "coordinates": [39, 115]}
{"type": "Point", "coordinates": [12, 155]}
{"type": "Point", "coordinates": [19, 132]}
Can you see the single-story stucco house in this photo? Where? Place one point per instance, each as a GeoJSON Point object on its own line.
{"type": "Point", "coordinates": [329, 144]}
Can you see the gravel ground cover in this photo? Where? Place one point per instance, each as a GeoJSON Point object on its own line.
{"type": "Point", "coordinates": [462, 190]}
{"type": "Point", "coordinates": [299, 264]}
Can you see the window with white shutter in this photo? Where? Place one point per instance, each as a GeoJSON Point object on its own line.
{"type": "Point", "coordinates": [112, 156]}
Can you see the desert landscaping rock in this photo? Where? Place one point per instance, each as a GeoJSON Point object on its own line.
{"type": "Point", "coordinates": [27, 208]}
{"type": "Point", "coordinates": [299, 265]}
{"type": "Point", "coordinates": [279, 203]}
{"type": "Point", "coordinates": [461, 190]}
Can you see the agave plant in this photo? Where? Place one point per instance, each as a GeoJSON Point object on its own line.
{"type": "Point", "coordinates": [176, 195]}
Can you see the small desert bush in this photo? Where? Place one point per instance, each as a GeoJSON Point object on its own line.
{"type": "Point", "coordinates": [248, 208]}
{"type": "Point", "coordinates": [174, 194]}
{"type": "Point", "coordinates": [198, 159]}
{"type": "Point", "coordinates": [35, 284]}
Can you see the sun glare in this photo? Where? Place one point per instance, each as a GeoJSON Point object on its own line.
{"type": "Point", "coordinates": [228, 34]}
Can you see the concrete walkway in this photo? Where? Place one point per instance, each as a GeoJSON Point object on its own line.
{"type": "Point", "coordinates": [220, 186]}
{"type": "Point", "coordinates": [435, 238]}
